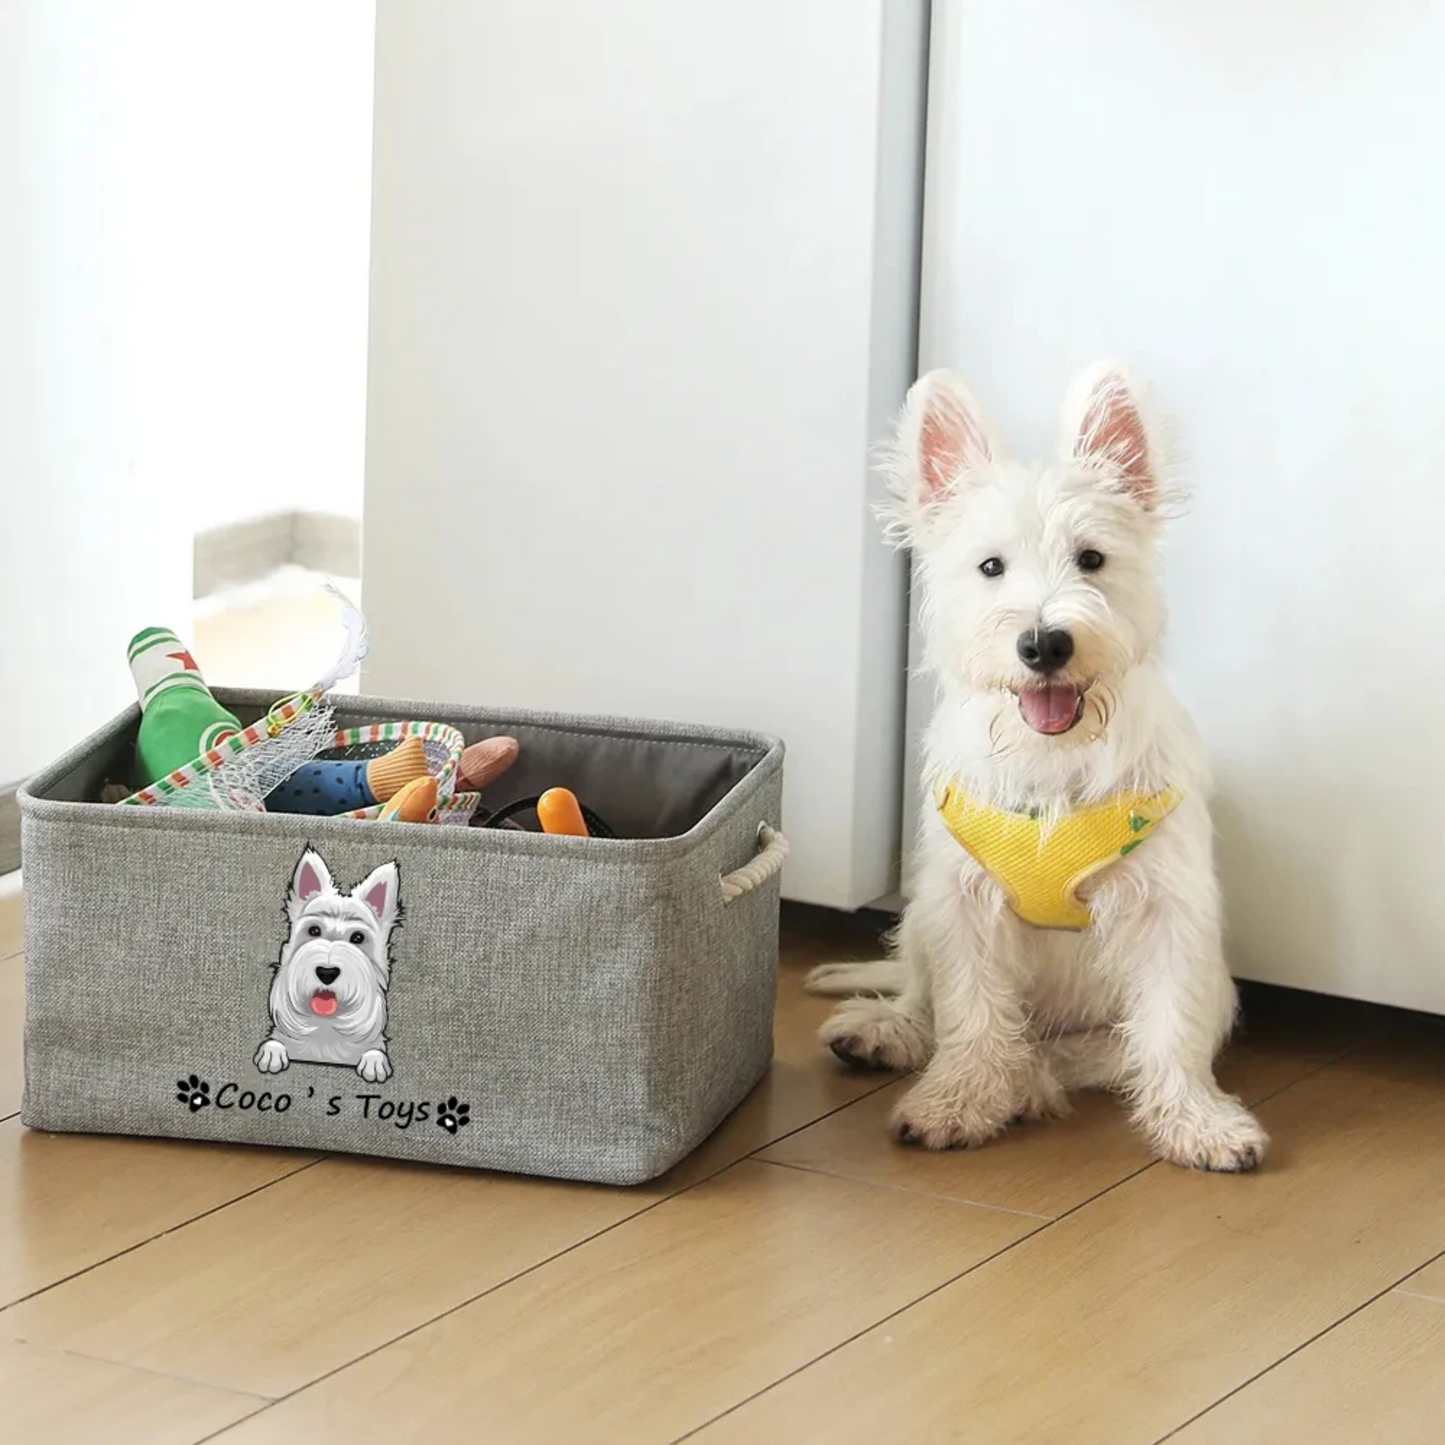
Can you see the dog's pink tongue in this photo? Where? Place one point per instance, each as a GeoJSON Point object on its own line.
{"type": "Point", "coordinates": [1051, 708]}
{"type": "Point", "coordinates": [323, 1002]}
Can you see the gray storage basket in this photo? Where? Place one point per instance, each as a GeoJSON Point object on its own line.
{"type": "Point", "coordinates": [579, 1007]}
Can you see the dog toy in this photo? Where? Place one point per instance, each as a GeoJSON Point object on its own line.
{"type": "Point", "coordinates": [180, 719]}
{"type": "Point", "coordinates": [415, 803]}
{"type": "Point", "coordinates": [584, 823]}
{"type": "Point", "coordinates": [558, 811]}
{"type": "Point", "coordinates": [329, 786]}
{"type": "Point", "coordinates": [486, 761]}
{"type": "Point", "coordinates": [239, 772]}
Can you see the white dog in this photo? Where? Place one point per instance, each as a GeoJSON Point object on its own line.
{"type": "Point", "coordinates": [1065, 929]}
{"type": "Point", "coordinates": [328, 997]}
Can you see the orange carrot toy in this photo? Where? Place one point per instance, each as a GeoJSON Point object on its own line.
{"type": "Point", "coordinates": [558, 811]}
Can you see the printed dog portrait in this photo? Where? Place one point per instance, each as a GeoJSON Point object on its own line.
{"type": "Point", "coordinates": [328, 996]}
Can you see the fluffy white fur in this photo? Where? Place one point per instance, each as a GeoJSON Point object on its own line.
{"type": "Point", "coordinates": [337, 958]}
{"type": "Point", "coordinates": [1001, 1018]}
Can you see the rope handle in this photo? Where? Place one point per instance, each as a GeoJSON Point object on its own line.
{"type": "Point", "coordinates": [772, 853]}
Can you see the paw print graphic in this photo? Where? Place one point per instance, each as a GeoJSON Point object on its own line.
{"type": "Point", "coordinates": [193, 1091]}
{"type": "Point", "coordinates": [452, 1115]}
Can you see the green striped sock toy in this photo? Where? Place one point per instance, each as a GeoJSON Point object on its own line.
{"type": "Point", "coordinates": [180, 719]}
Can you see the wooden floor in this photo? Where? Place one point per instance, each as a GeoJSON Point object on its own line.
{"type": "Point", "coordinates": [799, 1279]}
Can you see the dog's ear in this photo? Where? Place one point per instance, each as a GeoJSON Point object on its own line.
{"type": "Point", "coordinates": [380, 890]}
{"type": "Point", "coordinates": [311, 878]}
{"type": "Point", "coordinates": [944, 435]}
{"type": "Point", "coordinates": [1107, 421]}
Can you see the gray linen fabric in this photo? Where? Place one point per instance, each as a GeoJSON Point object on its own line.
{"type": "Point", "coordinates": [593, 1004]}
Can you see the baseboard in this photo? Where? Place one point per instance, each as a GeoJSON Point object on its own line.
{"type": "Point", "coordinates": [323, 542]}
{"type": "Point", "coordinates": [240, 552]}
{"type": "Point", "coordinates": [243, 552]}
{"type": "Point", "coordinates": [9, 829]}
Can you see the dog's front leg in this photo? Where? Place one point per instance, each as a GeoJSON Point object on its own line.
{"type": "Point", "coordinates": [271, 1057]}
{"type": "Point", "coordinates": [1179, 1003]}
{"type": "Point", "coordinates": [985, 1070]}
{"type": "Point", "coordinates": [878, 1032]}
{"type": "Point", "coordinates": [374, 1066]}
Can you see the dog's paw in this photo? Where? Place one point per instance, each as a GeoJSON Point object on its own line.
{"type": "Point", "coordinates": [1040, 1096]}
{"type": "Point", "coordinates": [374, 1066]}
{"type": "Point", "coordinates": [874, 1033]}
{"type": "Point", "coordinates": [271, 1057]}
{"type": "Point", "coordinates": [1225, 1139]}
{"type": "Point", "coordinates": [936, 1119]}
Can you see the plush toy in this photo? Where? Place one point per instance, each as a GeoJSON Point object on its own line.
{"type": "Point", "coordinates": [485, 762]}
{"type": "Point", "coordinates": [330, 785]}
{"type": "Point", "coordinates": [180, 719]}
{"type": "Point", "coordinates": [415, 803]}
{"type": "Point", "coordinates": [558, 811]}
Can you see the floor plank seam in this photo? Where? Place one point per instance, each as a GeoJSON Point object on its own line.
{"type": "Point", "coordinates": [869, 1328]}
{"type": "Point", "coordinates": [1303, 1345]}
{"type": "Point", "coordinates": [837, 1109]}
{"type": "Point", "coordinates": [268, 1402]}
{"type": "Point", "coordinates": [142, 1369]}
{"type": "Point", "coordinates": [751, 1155]}
{"type": "Point", "coordinates": [160, 1234]}
{"type": "Point", "coordinates": [472, 1299]}
{"type": "Point", "coordinates": [1032, 1234]}
{"type": "Point", "coordinates": [1045, 1223]}
{"type": "Point", "coordinates": [927, 1294]}
{"type": "Point", "coordinates": [1310, 1072]}
{"type": "Point", "coordinates": [906, 1189]}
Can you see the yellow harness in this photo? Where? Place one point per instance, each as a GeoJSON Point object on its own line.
{"type": "Point", "coordinates": [1041, 870]}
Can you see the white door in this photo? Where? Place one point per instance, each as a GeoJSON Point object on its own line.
{"type": "Point", "coordinates": [644, 282]}
{"type": "Point", "coordinates": [1242, 199]}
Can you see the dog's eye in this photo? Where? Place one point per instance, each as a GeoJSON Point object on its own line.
{"type": "Point", "coordinates": [314, 931]}
{"type": "Point", "coordinates": [358, 938]}
{"type": "Point", "coordinates": [991, 566]}
{"type": "Point", "coordinates": [1089, 560]}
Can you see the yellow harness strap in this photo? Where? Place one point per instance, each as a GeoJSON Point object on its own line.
{"type": "Point", "coordinates": [1041, 870]}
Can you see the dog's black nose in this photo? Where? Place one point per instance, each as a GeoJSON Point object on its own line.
{"type": "Point", "coordinates": [327, 975]}
{"type": "Point", "coordinates": [1045, 649]}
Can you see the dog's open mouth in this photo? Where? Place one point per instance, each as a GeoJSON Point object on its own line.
{"type": "Point", "coordinates": [1051, 707]}
{"type": "Point", "coordinates": [323, 1002]}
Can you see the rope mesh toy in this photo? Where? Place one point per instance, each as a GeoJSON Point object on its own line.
{"type": "Point", "coordinates": [237, 775]}
{"type": "Point", "coordinates": [443, 745]}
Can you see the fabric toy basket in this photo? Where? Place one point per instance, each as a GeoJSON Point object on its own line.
{"type": "Point", "coordinates": [586, 1008]}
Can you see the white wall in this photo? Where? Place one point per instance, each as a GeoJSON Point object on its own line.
{"type": "Point", "coordinates": [1244, 199]}
{"type": "Point", "coordinates": [184, 192]}
{"type": "Point", "coordinates": [642, 298]}
{"type": "Point", "coordinates": [276, 167]}
{"type": "Point", "coordinates": [91, 547]}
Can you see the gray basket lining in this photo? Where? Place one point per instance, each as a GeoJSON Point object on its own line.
{"type": "Point", "coordinates": [649, 781]}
